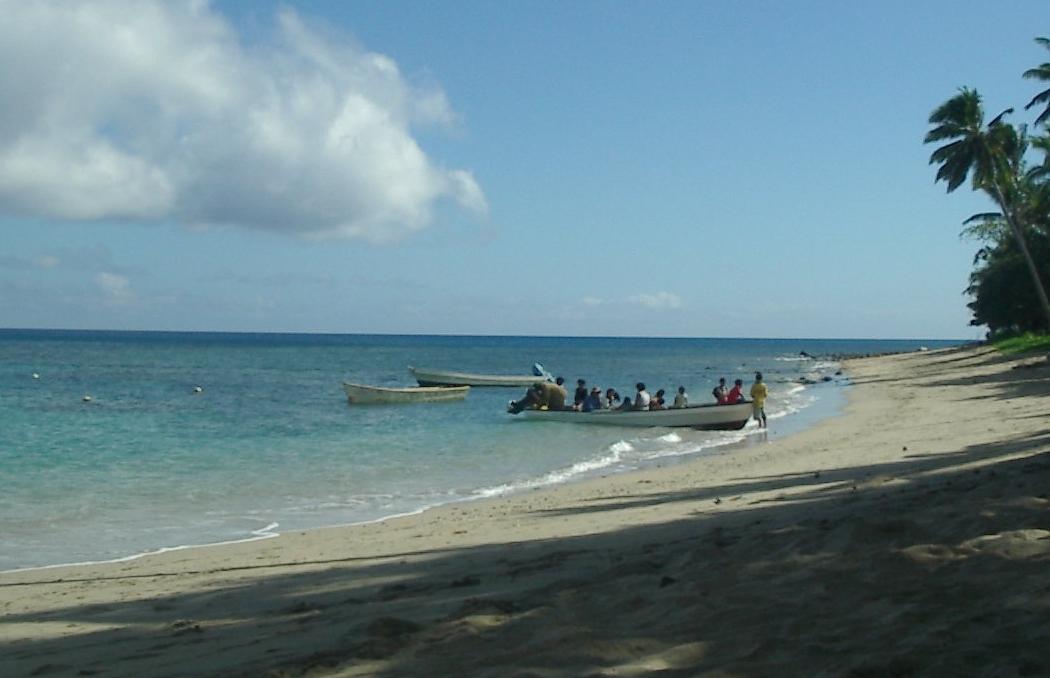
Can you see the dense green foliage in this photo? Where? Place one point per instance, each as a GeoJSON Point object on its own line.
{"type": "Point", "coordinates": [1012, 270]}
{"type": "Point", "coordinates": [1004, 298]}
{"type": "Point", "coordinates": [1024, 343]}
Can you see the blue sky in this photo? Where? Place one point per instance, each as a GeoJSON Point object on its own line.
{"type": "Point", "coordinates": [586, 168]}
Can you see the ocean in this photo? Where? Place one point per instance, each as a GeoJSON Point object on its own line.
{"type": "Point", "coordinates": [115, 444]}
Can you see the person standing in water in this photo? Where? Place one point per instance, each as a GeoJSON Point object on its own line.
{"type": "Point", "coordinates": [758, 396]}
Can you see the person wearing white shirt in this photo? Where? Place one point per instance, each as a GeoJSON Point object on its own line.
{"type": "Point", "coordinates": [641, 401]}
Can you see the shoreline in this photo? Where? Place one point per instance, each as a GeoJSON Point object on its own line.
{"type": "Point", "coordinates": [849, 529]}
{"type": "Point", "coordinates": [823, 408]}
{"type": "Point", "coordinates": [264, 534]}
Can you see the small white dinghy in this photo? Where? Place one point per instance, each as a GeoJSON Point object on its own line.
{"type": "Point", "coordinates": [363, 394]}
{"type": "Point", "coordinates": [428, 377]}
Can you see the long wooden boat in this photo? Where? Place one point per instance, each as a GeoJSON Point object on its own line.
{"type": "Point", "coordinates": [427, 377]}
{"type": "Point", "coordinates": [360, 394]}
{"type": "Point", "coordinates": [706, 417]}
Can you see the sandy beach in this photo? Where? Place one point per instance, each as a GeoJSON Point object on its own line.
{"type": "Point", "coordinates": [909, 536]}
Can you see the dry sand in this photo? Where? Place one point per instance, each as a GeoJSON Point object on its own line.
{"type": "Point", "coordinates": [910, 536]}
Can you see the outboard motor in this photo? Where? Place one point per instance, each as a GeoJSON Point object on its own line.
{"type": "Point", "coordinates": [539, 371]}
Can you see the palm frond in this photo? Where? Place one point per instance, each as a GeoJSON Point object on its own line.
{"type": "Point", "coordinates": [998, 120]}
{"type": "Point", "coordinates": [1039, 172]}
{"type": "Point", "coordinates": [948, 151]}
{"type": "Point", "coordinates": [1041, 142]}
{"type": "Point", "coordinates": [954, 171]}
{"type": "Point", "coordinates": [1038, 100]}
{"type": "Point", "coordinates": [962, 109]}
{"type": "Point", "coordinates": [1040, 72]}
{"type": "Point", "coordinates": [984, 217]}
{"type": "Point", "coordinates": [989, 227]}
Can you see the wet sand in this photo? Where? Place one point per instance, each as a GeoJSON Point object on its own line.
{"type": "Point", "coordinates": [909, 536]}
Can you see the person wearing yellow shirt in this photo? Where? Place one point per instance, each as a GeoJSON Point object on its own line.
{"type": "Point", "coordinates": [758, 396]}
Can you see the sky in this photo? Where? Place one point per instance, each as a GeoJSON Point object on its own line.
{"type": "Point", "coordinates": [750, 168]}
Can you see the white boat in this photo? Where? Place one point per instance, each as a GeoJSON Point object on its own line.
{"type": "Point", "coordinates": [444, 378]}
{"type": "Point", "coordinates": [706, 417]}
{"type": "Point", "coordinates": [360, 394]}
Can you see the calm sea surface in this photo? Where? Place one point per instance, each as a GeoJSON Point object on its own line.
{"type": "Point", "coordinates": [270, 444]}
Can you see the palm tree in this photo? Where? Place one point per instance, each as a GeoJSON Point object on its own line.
{"type": "Point", "coordinates": [1040, 72]}
{"type": "Point", "coordinates": [1041, 143]}
{"type": "Point", "coordinates": [992, 156]}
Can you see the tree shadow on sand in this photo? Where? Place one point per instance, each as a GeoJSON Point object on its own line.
{"type": "Point", "coordinates": [1029, 375]}
{"type": "Point", "coordinates": [888, 578]}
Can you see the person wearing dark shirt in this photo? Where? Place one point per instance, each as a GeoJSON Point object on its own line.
{"type": "Point", "coordinates": [719, 392]}
{"type": "Point", "coordinates": [580, 395]}
{"type": "Point", "coordinates": [528, 401]}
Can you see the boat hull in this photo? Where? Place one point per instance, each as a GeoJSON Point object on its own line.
{"type": "Point", "coordinates": [363, 394]}
{"type": "Point", "coordinates": [703, 417]}
{"type": "Point", "coordinates": [444, 378]}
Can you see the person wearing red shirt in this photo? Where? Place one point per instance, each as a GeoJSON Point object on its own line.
{"type": "Point", "coordinates": [736, 393]}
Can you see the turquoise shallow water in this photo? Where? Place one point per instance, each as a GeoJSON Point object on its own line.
{"type": "Point", "coordinates": [270, 443]}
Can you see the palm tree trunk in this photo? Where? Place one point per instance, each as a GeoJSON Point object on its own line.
{"type": "Point", "coordinates": [1019, 236]}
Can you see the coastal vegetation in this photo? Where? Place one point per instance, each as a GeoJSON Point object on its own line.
{"type": "Point", "coordinates": [1023, 343]}
{"type": "Point", "coordinates": [1011, 165]}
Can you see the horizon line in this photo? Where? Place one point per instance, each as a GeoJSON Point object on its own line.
{"type": "Point", "coordinates": [492, 335]}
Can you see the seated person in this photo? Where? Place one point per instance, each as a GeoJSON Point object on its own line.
{"type": "Point", "coordinates": [681, 399]}
{"type": "Point", "coordinates": [625, 405]}
{"type": "Point", "coordinates": [580, 394]}
{"type": "Point", "coordinates": [542, 395]}
{"type": "Point", "coordinates": [642, 398]}
{"type": "Point", "coordinates": [553, 395]}
{"type": "Point", "coordinates": [657, 402]}
{"type": "Point", "coordinates": [528, 401]}
{"type": "Point", "coordinates": [593, 401]}
{"type": "Point", "coordinates": [719, 392]}
{"type": "Point", "coordinates": [612, 399]}
{"type": "Point", "coordinates": [736, 393]}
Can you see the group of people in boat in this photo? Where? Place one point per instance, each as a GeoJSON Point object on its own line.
{"type": "Point", "coordinates": [736, 395]}
{"type": "Point", "coordinates": [554, 396]}
{"type": "Point", "coordinates": [730, 397]}
{"type": "Point", "coordinates": [759, 392]}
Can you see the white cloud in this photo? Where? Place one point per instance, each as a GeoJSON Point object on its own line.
{"type": "Point", "coordinates": [155, 110]}
{"type": "Point", "coordinates": [659, 300]}
{"type": "Point", "coordinates": [116, 288]}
